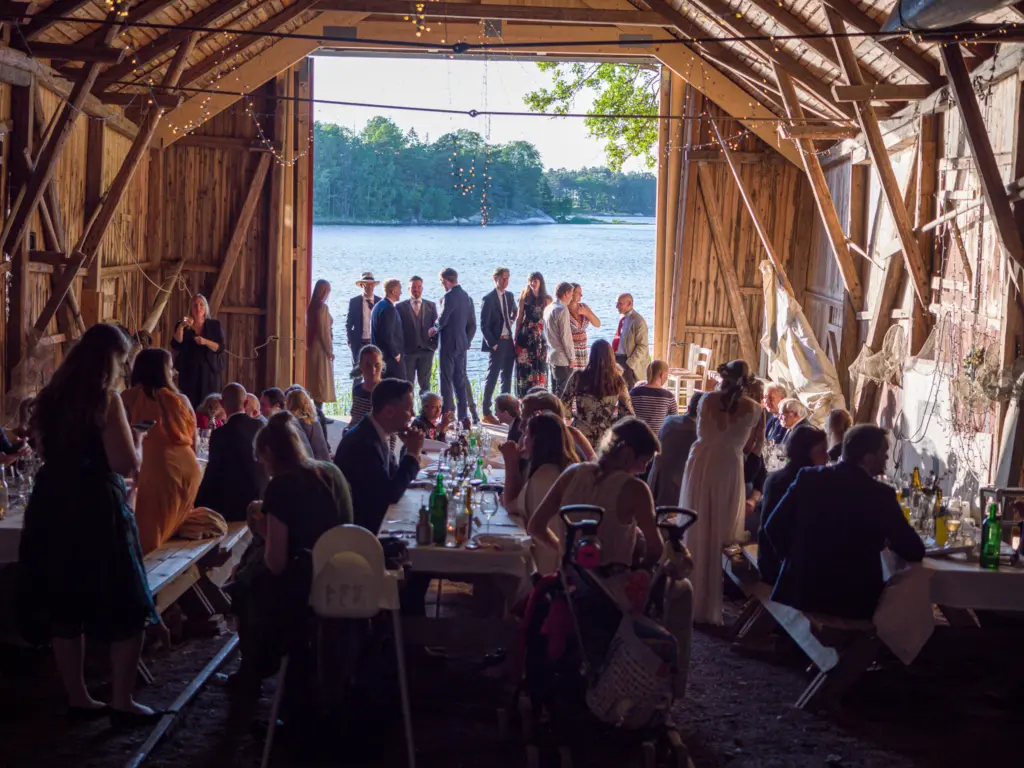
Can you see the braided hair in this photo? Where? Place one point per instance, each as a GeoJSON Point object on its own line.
{"type": "Point", "coordinates": [736, 379]}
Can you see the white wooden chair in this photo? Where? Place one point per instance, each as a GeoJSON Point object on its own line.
{"type": "Point", "coordinates": [350, 581]}
{"type": "Point", "coordinates": [683, 382]}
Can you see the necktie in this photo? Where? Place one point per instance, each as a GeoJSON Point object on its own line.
{"type": "Point", "coordinates": [369, 303]}
{"type": "Point", "coordinates": [618, 334]}
{"type": "Point", "coordinates": [416, 307]}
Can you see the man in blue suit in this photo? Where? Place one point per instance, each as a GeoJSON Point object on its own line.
{"type": "Point", "coordinates": [455, 328]}
{"type": "Point", "coordinates": [386, 330]}
{"type": "Point", "coordinates": [497, 323]}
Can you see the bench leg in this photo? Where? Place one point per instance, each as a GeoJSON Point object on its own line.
{"type": "Point", "coordinates": [203, 617]}
{"type": "Point", "coordinates": [751, 609]}
{"type": "Point", "coordinates": [958, 617]}
{"type": "Point", "coordinates": [144, 674]}
{"type": "Point", "coordinates": [215, 597]}
{"type": "Point", "coordinates": [829, 687]}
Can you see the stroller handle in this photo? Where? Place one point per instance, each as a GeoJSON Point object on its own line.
{"type": "Point", "coordinates": [594, 515]}
{"type": "Point", "coordinates": [663, 514]}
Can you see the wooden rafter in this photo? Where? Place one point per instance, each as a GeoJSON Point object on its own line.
{"type": "Point", "coordinates": [868, 121]}
{"type": "Point", "coordinates": [881, 92]}
{"type": "Point", "coordinates": [74, 52]}
{"type": "Point", "coordinates": [137, 13]}
{"type": "Point", "coordinates": [475, 10]}
{"type": "Point", "coordinates": [58, 8]}
{"type": "Point", "coordinates": [142, 98]}
{"type": "Point", "coordinates": [162, 297]}
{"type": "Point", "coordinates": [822, 196]}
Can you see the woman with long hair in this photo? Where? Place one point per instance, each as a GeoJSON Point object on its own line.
{"type": "Point", "coordinates": [531, 349]}
{"type": "Point", "coordinates": [713, 482]}
{"type": "Point", "coordinates": [210, 414]}
{"type": "Point", "coordinates": [170, 476]}
{"type": "Point", "coordinates": [320, 348]}
{"type": "Point", "coordinates": [300, 405]}
{"type": "Point", "coordinates": [597, 395]}
{"type": "Point", "coordinates": [198, 346]}
{"type": "Point", "coordinates": [79, 560]}
{"type": "Point", "coordinates": [581, 317]}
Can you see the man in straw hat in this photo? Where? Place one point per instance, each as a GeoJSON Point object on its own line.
{"type": "Point", "coordinates": [357, 324]}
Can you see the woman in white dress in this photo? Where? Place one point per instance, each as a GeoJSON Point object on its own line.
{"type": "Point", "coordinates": [713, 484]}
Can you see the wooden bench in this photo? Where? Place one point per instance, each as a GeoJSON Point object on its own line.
{"type": "Point", "coordinates": [841, 649]}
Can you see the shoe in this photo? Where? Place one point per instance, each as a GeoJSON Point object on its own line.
{"type": "Point", "coordinates": [121, 719]}
{"type": "Point", "coordinates": [328, 421]}
{"type": "Point", "coordinates": [488, 419]}
{"type": "Point", "coordinates": [86, 714]}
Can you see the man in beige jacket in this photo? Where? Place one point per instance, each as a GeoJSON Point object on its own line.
{"type": "Point", "coordinates": [631, 346]}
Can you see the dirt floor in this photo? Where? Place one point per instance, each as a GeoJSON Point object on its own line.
{"type": "Point", "coordinates": [960, 704]}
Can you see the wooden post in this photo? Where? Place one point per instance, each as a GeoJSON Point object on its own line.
{"type": "Point", "coordinates": [674, 163]}
{"type": "Point", "coordinates": [286, 322]}
{"type": "Point", "coordinates": [20, 296]}
{"type": "Point", "coordinates": [660, 229]}
{"type": "Point", "coordinates": [275, 255]}
{"type": "Point", "coordinates": [924, 211]}
{"type": "Point", "coordinates": [163, 296]}
{"type": "Point", "coordinates": [303, 214]}
{"type": "Point", "coordinates": [687, 211]}
{"type": "Point", "coordinates": [92, 296]}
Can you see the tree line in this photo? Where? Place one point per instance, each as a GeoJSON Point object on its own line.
{"type": "Point", "coordinates": [383, 174]}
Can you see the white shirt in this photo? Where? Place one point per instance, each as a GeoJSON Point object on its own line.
{"type": "Point", "coordinates": [385, 438]}
{"type": "Point", "coordinates": [506, 332]}
{"type": "Point", "coordinates": [417, 306]}
{"type": "Point", "coordinates": [558, 334]}
{"type": "Point", "coordinates": [366, 317]}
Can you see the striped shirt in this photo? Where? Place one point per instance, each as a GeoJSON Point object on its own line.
{"type": "Point", "coordinates": [360, 403]}
{"type": "Point", "coordinates": [653, 405]}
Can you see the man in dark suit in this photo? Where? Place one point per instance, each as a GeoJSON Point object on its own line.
{"type": "Point", "coordinates": [386, 330]}
{"type": "Point", "coordinates": [357, 323]}
{"type": "Point", "coordinates": [418, 318]}
{"type": "Point", "coordinates": [497, 319]}
{"type": "Point", "coordinates": [233, 477]}
{"type": "Point", "coordinates": [830, 527]}
{"type": "Point", "coordinates": [455, 328]}
{"type": "Point", "coordinates": [376, 477]}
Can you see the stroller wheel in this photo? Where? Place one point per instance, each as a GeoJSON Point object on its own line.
{"type": "Point", "coordinates": [682, 754]}
{"type": "Point", "coordinates": [565, 757]}
{"type": "Point", "coordinates": [650, 754]}
{"type": "Point", "coordinates": [532, 756]}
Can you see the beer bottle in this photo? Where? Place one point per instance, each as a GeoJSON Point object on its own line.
{"type": "Point", "coordinates": [480, 474]}
{"type": "Point", "coordinates": [464, 519]}
{"type": "Point", "coordinates": [439, 511]}
{"type": "Point", "coordinates": [991, 537]}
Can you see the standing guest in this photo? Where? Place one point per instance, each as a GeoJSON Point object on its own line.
{"type": "Point", "coordinates": [210, 414]}
{"type": "Point", "coordinates": [837, 425]}
{"type": "Point", "coordinates": [497, 318]}
{"type": "Point", "coordinates": [431, 422]}
{"type": "Point", "coordinates": [358, 321]}
{"type": "Point", "coordinates": [233, 476]}
{"type": "Point", "coordinates": [376, 477]}
{"type": "Point", "coordinates": [198, 346]}
{"type": "Point", "coordinates": [455, 329]}
{"type": "Point", "coordinates": [371, 368]}
{"type": "Point", "coordinates": [320, 350]}
{"type": "Point", "coordinates": [806, 447]}
{"type": "Point", "coordinates": [830, 557]}
{"type": "Point", "coordinates": [630, 344]}
{"type": "Point", "coordinates": [79, 559]}
{"type": "Point", "coordinates": [531, 351]}
{"type": "Point", "coordinates": [251, 406]}
{"type": "Point", "coordinates": [677, 436]}
{"type": "Point", "coordinates": [580, 318]}
{"type": "Point", "coordinates": [558, 335]}
{"type": "Point", "coordinates": [271, 402]}
{"type": "Point", "coordinates": [713, 483]}
{"type": "Point", "coordinates": [300, 405]}
{"type": "Point", "coordinates": [170, 474]}
{"type": "Point", "coordinates": [651, 401]}
{"type": "Point", "coordinates": [418, 318]}
{"type": "Point", "coordinates": [774, 394]}
{"type": "Point", "coordinates": [508, 411]}
{"type": "Point", "coordinates": [597, 395]}
{"type": "Point", "coordinates": [386, 330]}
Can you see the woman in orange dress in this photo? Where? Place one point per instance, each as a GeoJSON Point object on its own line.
{"type": "Point", "coordinates": [169, 478]}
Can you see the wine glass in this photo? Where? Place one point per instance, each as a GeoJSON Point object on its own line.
{"type": "Point", "coordinates": [488, 508]}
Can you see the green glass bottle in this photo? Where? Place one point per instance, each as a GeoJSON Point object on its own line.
{"type": "Point", "coordinates": [439, 511]}
{"type": "Point", "coordinates": [480, 474]}
{"type": "Point", "coordinates": [991, 536]}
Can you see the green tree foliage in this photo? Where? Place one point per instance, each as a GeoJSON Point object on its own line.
{"type": "Point", "coordinates": [620, 89]}
{"type": "Point", "coordinates": [381, 174]}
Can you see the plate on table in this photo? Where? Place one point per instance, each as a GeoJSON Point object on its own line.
{"type": "Point", "coordinates": [500, 542]}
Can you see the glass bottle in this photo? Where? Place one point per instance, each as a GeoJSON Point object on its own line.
{"type": "Point", "coordinates": [439, 510]}
{"type": "Point", "coordinates": [3, 492]}
{"type": "Point", "coordinates": [480, 474]}
{"type": "Point", "coordinates": [991, 537]}
{"type": "Point", "coordinates": [424, 530]}
{"type": "Point", "coordinates": [464, 518]}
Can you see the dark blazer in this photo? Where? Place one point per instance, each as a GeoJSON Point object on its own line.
{"type": "Point", "coordinates": [354, 331]}
{"type": "Point", "coordinates": [828, 530]}
{"type": "Point", "coordinates": [457, 324]}
{"type": "Point", "coordinates": [775, 487]}
{"type": "Point", "coordinates": [376, 481]}
{"type": "Point", "coordinates": [233, 477]}
{"type": "Point", "coordinates": [773, 429]}
{"type": "Point", "coordinates": [490, 319]}
{"type": "Point", "coordinates": [386, 329]}
{"type": "Point", "coordinates": [417, 338]}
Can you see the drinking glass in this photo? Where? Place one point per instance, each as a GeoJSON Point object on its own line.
{"type": "Point", "coordinates": [488, 508]}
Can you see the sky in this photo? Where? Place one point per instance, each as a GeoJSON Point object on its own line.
{"type": "Point", "coordinates": [455, 84]}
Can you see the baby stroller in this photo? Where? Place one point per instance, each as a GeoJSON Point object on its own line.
{"type": "Point", "coordinates": [586, 657]}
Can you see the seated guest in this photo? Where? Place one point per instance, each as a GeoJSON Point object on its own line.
{"type": "Point", "coordinates": [677, 436]}
{"type": "Point", "coordinates": [233, 476]}
{"type": "Point", "coordinates": [210, 414]}
{"type": "Point", "coordinates": [22, 431]}
{"type": "Point", "coordinates": [300, 405]}
{"type": "Point", "coordinates": [830, 527]}
{"type": "Point", "coordinates": [651, 401]}
{"type": "Point", "coordinates": [252, 407]}
{"type": "Point", "coordinates": [754, 475]}
{"type": "Point", "coordinates": [805, 448]}
{"type": "Point", "coordinates": [431, 422]}
{"type": "Point", "coordinates": [774, 394]}
{"type": "Point", "coordinates": [838, 422]}
{"type": "Point", "coordinates": [508, 411]}
{"type": "Point", "coordinates": [271, 402]}
{"type": "Point", "coordinates": [169, 477]}
{"type": "Point", "coordinates": [364, 456]}
{"type": "Point", "coordinates": [546, 402]}
{"type": "Point", "coordinates": [371, 367]}
{"type": "Point", "coordinates": [792, 412]}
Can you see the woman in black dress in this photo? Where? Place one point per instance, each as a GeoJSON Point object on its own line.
{"type": "Point", "coordinates": [198, 346]}
{"type": "Point", "coordinates": [80, 563]}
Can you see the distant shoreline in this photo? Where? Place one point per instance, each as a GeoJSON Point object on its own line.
{"type": "Point", "coordinates": [575, 220]}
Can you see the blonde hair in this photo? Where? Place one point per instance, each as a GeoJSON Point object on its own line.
{"type": "Point", "coordinates": [202, 299]}
{"type": "Point", "coordinates": [300, 405]}
{"type": "Point", "coordinates": [390, 284]}
{"type": "Point", "coordinates": [655, 369]}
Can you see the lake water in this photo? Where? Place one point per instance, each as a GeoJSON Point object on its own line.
{"type": "Point", "coordinates": [606, 259]}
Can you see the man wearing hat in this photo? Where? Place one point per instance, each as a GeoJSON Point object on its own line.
{"type": "Point", "coordinates": [357, 324]}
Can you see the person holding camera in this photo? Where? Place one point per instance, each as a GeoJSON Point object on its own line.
{"type": "Point", "coordinates": [198, 346]}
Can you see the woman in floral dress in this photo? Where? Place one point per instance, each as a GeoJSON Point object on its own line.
{"type": "Point", "coordinates": [531, 349]}
{"type": "Point", "coordinates": [581, 317]}
{"type": "Point", "coordinates": [597, 395]}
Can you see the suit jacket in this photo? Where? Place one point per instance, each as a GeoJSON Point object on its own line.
{"type": "Point", "coordinates": [354, 331]}
{"type": "Point", "coordinates": [417, 338]}
{"type": "Point", "coordinates": [635, 346]}
{"type": "Point", "coordinates": [490, 319]}
{"type": "Point", "coordinates": [233, 477]}
{"type": "Point", "coordinates": [386, 329]}
{"type": "Point", "coordinates": [457, 324]}
{"type": "Point", "coordinates": [374, 477]}
{"type": "Point", "coordinates": [828, 531]}
{"type": "Point", "coordinates": [773, 429]}
{"type": "Point", "coordinates": [677, 435]}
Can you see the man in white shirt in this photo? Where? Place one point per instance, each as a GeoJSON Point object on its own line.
{"type": "Point", "coordinates": [497, 319]}
{"type": "Point", "coordinates": [558, 334]}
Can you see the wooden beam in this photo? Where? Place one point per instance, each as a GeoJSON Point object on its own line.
{"type": "Point", "coordinates": [91, 297]}
{"type": "Point", "coordinates": [866, 117]}
{"type": "Point", "coordinates": [241, 232]}
{"type": "Point", "coordinates": [37, 27]}
{"type": "Point", "coordinates": [882, 92]}
{"type": "Point", "coordinates": [227, 309]}
{"type": "Point", "coordinates": [162, 297]}
{"type": "Point", "coordinates": [222, 142]}
{"type": "Point", "coordinates": [726, 265]}
{"type": "Point", "coordinates": [822, 196]}
{"type": "Point", "coordinates": [795, 26]}
{"type": "Point", "coordinates": [457, 10]}
{"type": "Point", "coordinates": [137, 13]}
{"type": "Point", "coordinates": [20, 296]}
{"type": "Point", "coordinates": [818, 132]}
{"type": "Point", "coordinates": [75, 52]}
{"type": "Point", "coordinates": [141, 99]}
